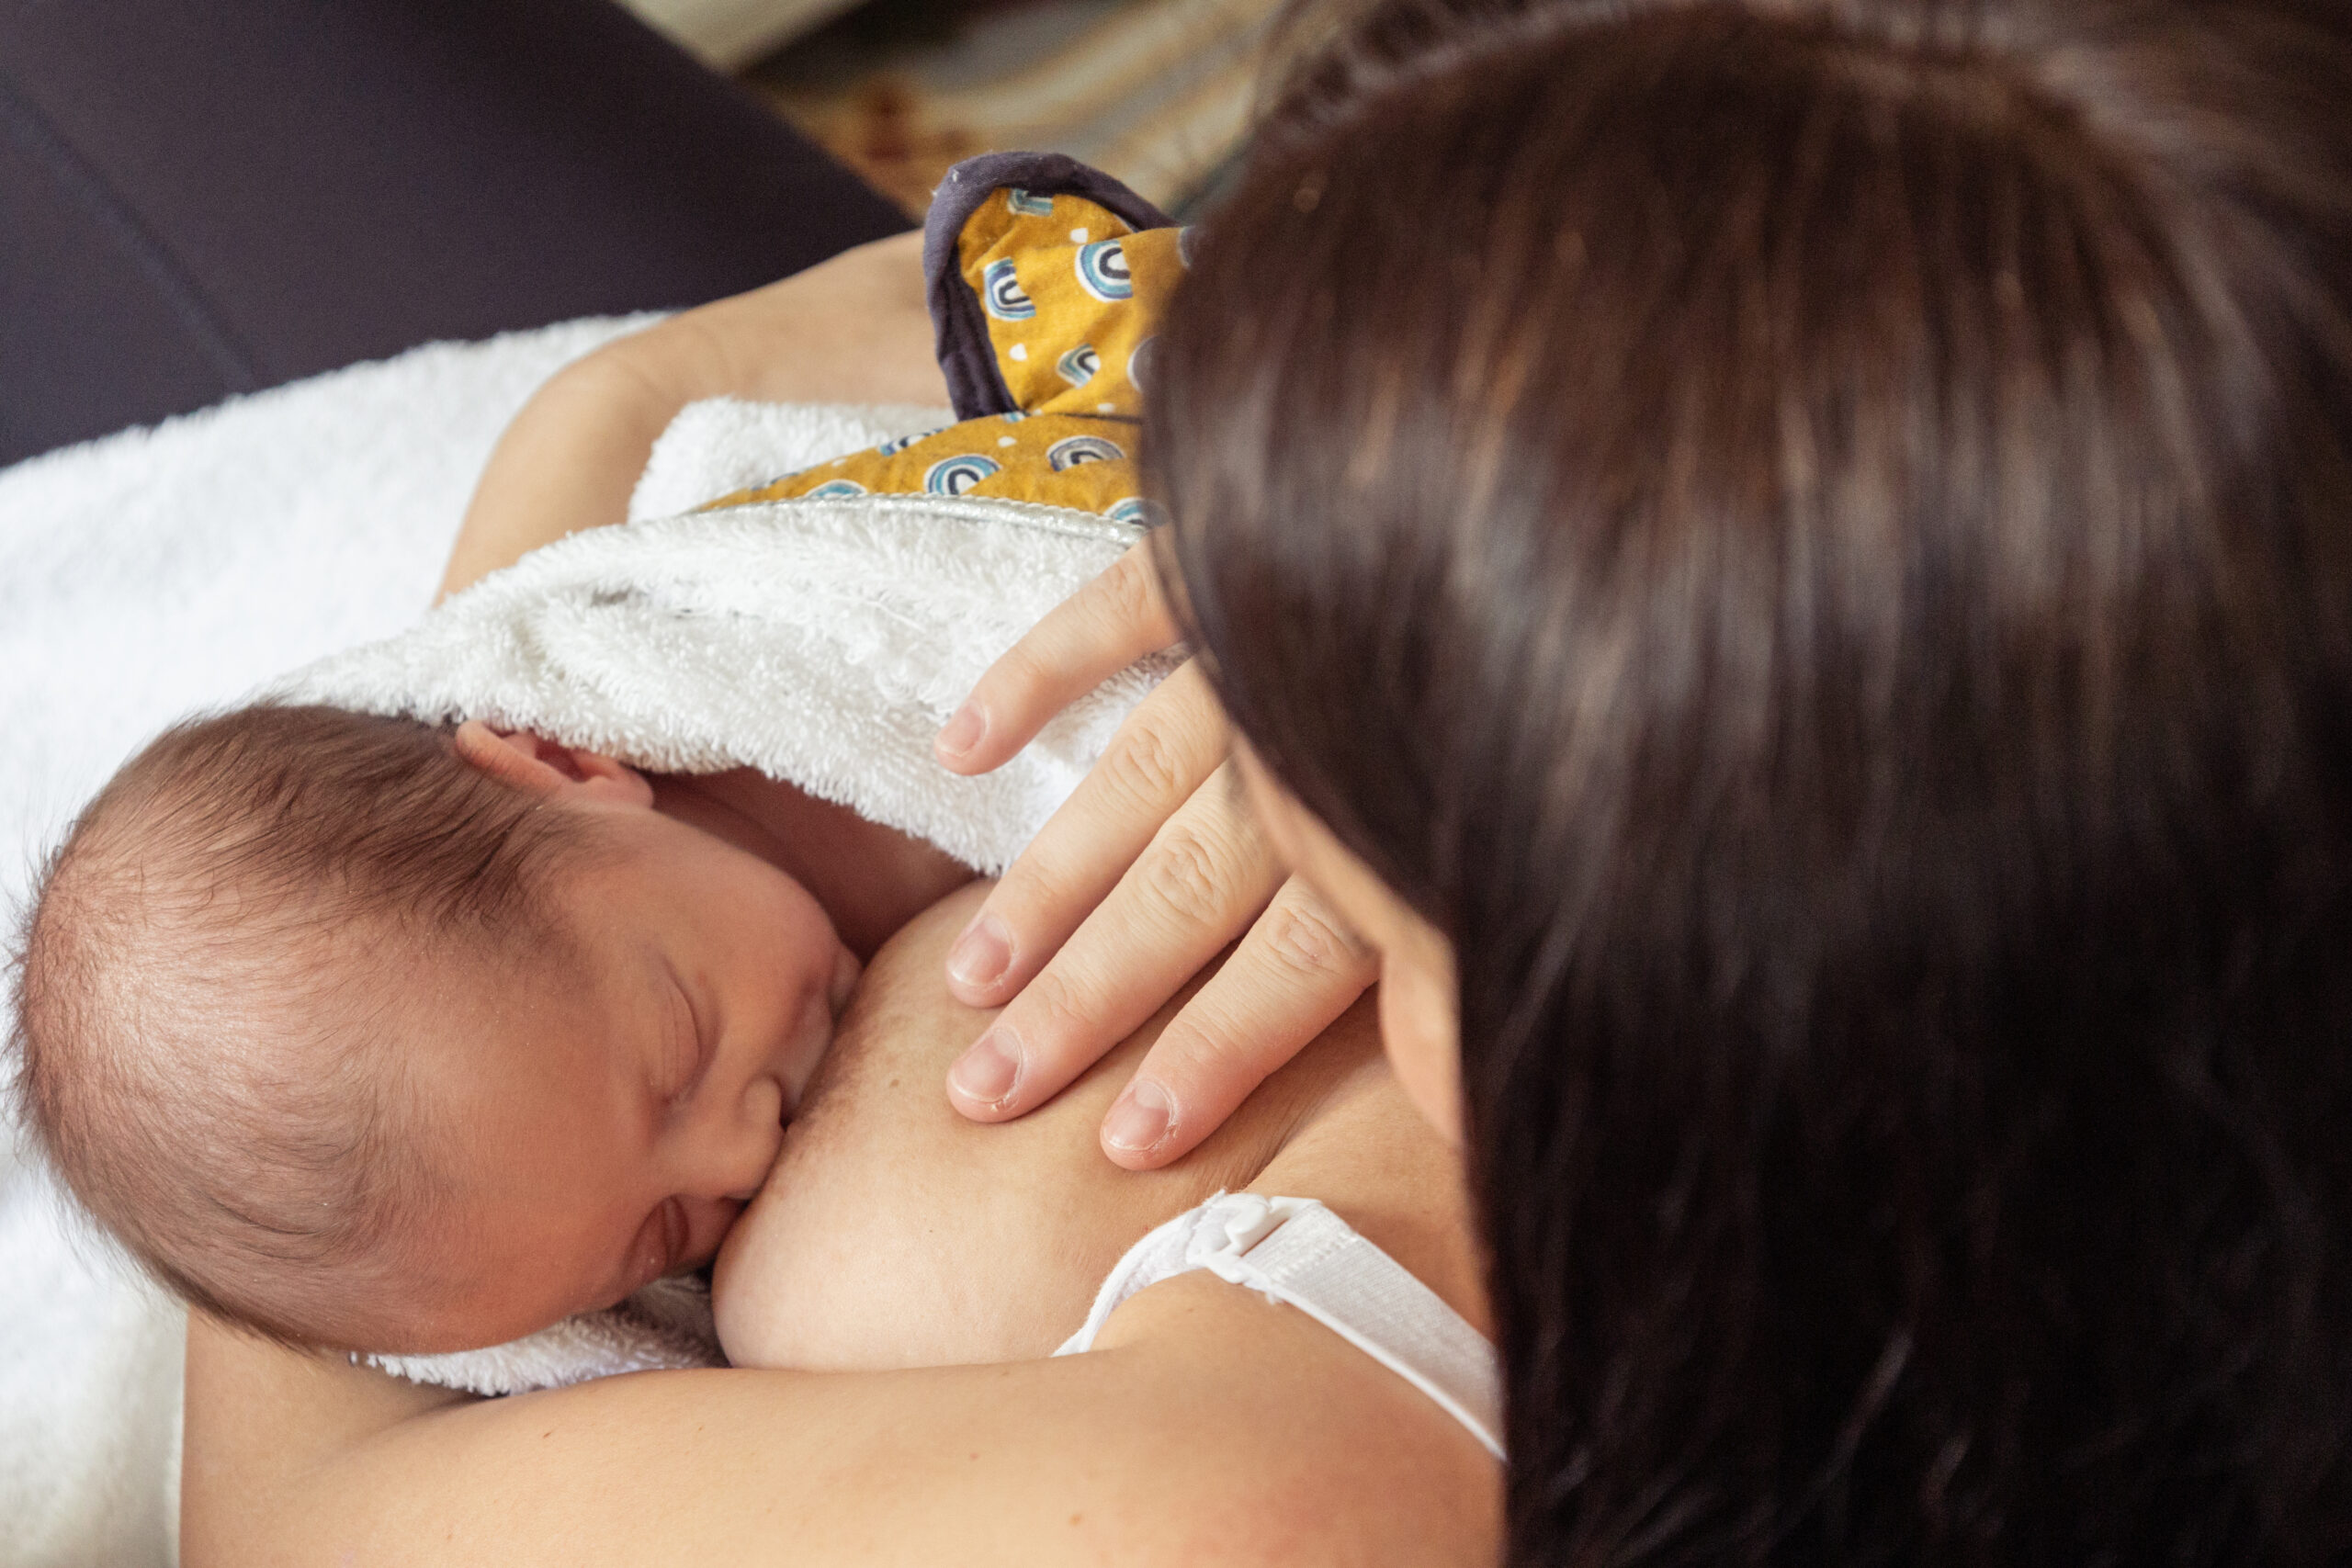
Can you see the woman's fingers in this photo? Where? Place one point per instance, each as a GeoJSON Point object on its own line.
{"type": "Point", "coordinates": [1298, 970]}
{"type": "Point", "coordinates": [1090, 636]}
{"type": "Point", "coordinates": [1173, 740]}
{"type": "Point", "coordinates": [1150, 868]}
{"type": "Point", "coordinates": [1204, 878]}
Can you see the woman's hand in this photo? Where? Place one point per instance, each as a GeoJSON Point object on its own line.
{"type": "Point", "coordinates": [1150, 868]}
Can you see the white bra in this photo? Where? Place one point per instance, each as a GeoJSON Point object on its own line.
{"type": "Point", "coordinates": [1296, 1251]}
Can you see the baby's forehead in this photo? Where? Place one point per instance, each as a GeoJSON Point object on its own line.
{"type": "Point", "coordinates": [508, 1034]}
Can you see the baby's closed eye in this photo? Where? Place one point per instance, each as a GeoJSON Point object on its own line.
{"type": "Point", "coordinates": [684, 1052]}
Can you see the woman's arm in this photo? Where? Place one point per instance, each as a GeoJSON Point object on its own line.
{"type": "Point", "coordinates": [1210, 1426]}
{"type": "Point", "coordinates": [853, 329]}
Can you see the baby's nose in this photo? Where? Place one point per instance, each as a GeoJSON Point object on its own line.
{"type": "Point", "coordinates": [735, 1152]}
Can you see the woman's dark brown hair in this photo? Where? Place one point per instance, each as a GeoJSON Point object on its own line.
{"type": "Point", "coordinates": [1814, 542]}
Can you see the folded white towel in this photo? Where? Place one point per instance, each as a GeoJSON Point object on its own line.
{"type": "Point", "coordinates": [822, 642]}
{"type": "Point", "coordinates": [664, 1327]}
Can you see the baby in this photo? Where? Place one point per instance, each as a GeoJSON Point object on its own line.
{"type": "Point", "coordinates": [374, 1035]}
{"type": "Point", "coordinates": [371, 1035]}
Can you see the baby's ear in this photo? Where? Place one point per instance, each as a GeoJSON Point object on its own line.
{"type": "Point", "coordinates": [538, 766]}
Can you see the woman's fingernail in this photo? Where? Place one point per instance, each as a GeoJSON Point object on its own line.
{"type": "Point", "coordinates": [985, 1073]}
{"type": "Point", "coordinates": [982, 953]}
{"type": "Point", "coordinates": [1141, 1119]}
{"type": "Point", "coordinates": [962, 732]}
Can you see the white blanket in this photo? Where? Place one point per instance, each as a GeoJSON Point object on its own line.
{"type": "Point", "coordinates": [142, 576]}
{"type": "Point", "coordinates": [160, 571]}
{"type": "Point", "coordinates": [822, 642]}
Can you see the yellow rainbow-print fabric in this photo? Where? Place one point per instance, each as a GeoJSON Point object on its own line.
{"type": "Point", "coordinates": [1071, 294]}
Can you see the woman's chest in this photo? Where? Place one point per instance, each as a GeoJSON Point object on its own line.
{"type": "Point", "coordinates": [893, 1233]}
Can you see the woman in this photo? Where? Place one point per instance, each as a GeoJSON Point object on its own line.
{"type": "Point", "coordinates": [1780, 571]}
{"type": "Point", "coordinates": [1803, 606]}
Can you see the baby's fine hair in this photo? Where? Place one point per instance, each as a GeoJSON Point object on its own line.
{"type": "Point", "coordinates": [207, 973]}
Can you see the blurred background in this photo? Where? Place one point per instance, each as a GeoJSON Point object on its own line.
{"type": "Point", "coordinates": [1156, 92]}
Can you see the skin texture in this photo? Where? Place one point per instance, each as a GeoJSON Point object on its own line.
{"type": "Point", "coordinates": [1151, 866]}
{"type": "Point", "coordinates": [1210, 1426]}
{"type": "Point", "coordinates": [841, 1263]}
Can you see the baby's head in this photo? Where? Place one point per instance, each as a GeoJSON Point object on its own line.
{"type": "Point", "coordinates": [368, 1035]}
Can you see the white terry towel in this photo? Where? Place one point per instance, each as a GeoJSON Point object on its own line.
{"type": "Point", "coordinates": [822, 642]}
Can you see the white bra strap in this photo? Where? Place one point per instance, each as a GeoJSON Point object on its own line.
{"type": "Point", "coordinates": [1296, 1251]}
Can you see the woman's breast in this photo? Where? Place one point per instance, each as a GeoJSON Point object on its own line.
{"type": "Point", "coordinates": [893, 1233]}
